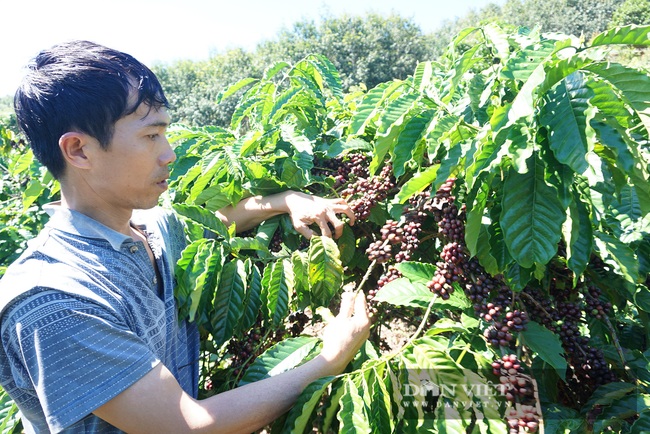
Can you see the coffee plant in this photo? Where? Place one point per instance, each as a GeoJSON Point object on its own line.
{"type": "Point", "coordinates": [502, 238]}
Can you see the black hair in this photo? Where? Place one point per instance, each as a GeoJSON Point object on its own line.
{"type": "Point", "coordinates": [80, 86]}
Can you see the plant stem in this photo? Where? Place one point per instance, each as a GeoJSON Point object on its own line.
{"type": "Point", "coordinates": [366, 276]}
{"type": "Point", "coordinates": [617, 345]}
{"type": "Point", "coordinates": [415, 335]}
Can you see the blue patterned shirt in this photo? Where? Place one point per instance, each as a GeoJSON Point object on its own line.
{"type": "Point", "coordinates": [83, 315]}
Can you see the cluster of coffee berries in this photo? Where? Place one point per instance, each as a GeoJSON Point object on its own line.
{"type": "Point", "coordinates": [297, 322]}
{"type": "Point", "coordinates": [562, 311]}
{"type": "Point", "coordinates": [489, 294]}
{"type": "Point", "coordinates": [519, 390]}
{"type": "Point", "coordinates": [595, 306]}
{"type": "Point", "coordinates": [514, 384]}
{"type": "Point", "coordinates": [443, 279]}
{"type": "Point", "coordinates": [363, 194]}
{"type": "Point", "coordinates": [500, 333]}
{"type": "Point", "coordinates": [524, 417]}
{"type": "Point", "coordinates": [243, 351]}
{"type": "Point", "coordinates": [275, 245]}
{"type": "Point", "coordinates": [343, 169]}
{"type": "Point", "coordinates": [382, 249]}
{"type": "Point", "coordinates": [449, 218]}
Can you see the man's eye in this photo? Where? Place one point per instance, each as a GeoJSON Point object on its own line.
{"type": "Point", "coordinates": [153, 136]}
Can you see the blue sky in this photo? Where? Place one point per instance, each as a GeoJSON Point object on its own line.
{"type": "Point", "coordinates": [167, 30]}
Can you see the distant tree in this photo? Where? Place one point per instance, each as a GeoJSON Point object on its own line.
{"type": "Point", "coordinates": [365, 49]}
{"type": "Point", "coordinates": [368, 50]}
{"type": "Point", "coordinates": [572, 17]}
{"type": "Point", "coordinates": [192, 86]}
{"type": "Point", "coordinates": [6, 105]}
{"type": "Point", "coordinates": [632, 12]}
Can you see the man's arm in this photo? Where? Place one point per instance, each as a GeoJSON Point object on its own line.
{"type": "Point", "coordinates": [156, 403]}
{"type": "Point", "coordinates": [303, 209]}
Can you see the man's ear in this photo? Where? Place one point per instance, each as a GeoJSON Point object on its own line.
{"type": "Point", "coordinates": [73, 147]}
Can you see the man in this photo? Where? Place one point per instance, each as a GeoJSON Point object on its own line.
{"type": "Point", "coordinates": [90, 337]}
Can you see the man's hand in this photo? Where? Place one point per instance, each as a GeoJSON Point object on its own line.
{"type": "Point", "coordinates": [156, 403]}
{"type": "Point", "coordinates": [305, 210]}
{"type": "Point", "coordinates": [345, 334]}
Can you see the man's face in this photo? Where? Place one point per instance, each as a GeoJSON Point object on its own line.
{"type": "Point", "coordinates": [133, 171]}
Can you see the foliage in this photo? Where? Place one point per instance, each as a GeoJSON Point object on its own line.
{"type": "Point", "coordinates": [24, 187]}
{"type": "Point", "coordinates": [586, 17]}
{"type": "Point", "coordinates": [516, 169]}
{"type": "Point", "coordinates": [192, 87]}
{"type": "Point", "coordinates": [365, 50]}
{"type": "Point", "coordinates": [632, 12]}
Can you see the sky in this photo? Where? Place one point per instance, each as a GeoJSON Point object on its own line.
{"type": "Point", "coordinates": [164, 31]}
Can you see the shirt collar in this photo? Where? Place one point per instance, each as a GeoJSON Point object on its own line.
{"type": "Point", "coordinates": [76, 223]}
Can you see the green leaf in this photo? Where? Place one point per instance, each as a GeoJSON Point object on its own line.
{"type": "Point", "coordinates": [546, 344]}
{"type": "Point", "coordinates": [353, 414]}
{"type": "Point", "coordinates": [578, 236]}
{"type": "Point", "coordinates": [620, 256]}
{"type": "Point", "coordinates": [628, 35]}
{"type": "Point", "coordinates": [402, 292]}
{"type": "Point", "coordinates": [9, 416]}
{"type": "Point", "coordinates": [332, 404]}
{"type": "Point", "coordinates": [464, 63]}
{"type": "Point", "coordinates": [370, 106]}
{"type": "Point", "coordinates": [231, 90]}
{"type": "Point", "coordinates": [344, 146]}
{"type": "Point", "coordinates": [228, 301]}
{"type": "Point", "coordinates": [418, 183]}
{"type": "Point", "coordinates": [621, 409]}
{"type": "Point", "coordinates": [642, 298]}
{"type": "Point", "coordinates": [634, 86]}
{"type": "Point", "coordinates": [522, 65]}
{"type": "Point", "coordinates": [300, 414]}
{"type": "Point", "coordinates": [277, 287]}
{"type": "Point", "coordinates": [416, 272]}
{"type": "Point", "coordinates": [252, 299]}
{"type": "Point", "coordinates": [422, 76]}
{"type": "Point", "coordinates": [607, 394]}
{"type": "Point", "coordinates": [566, 113]}
{"type": "Point", "coordinates": [281, 357]}
{"type": "Point", "coordinates": [34, 190]}
{"type": "Point", "coordinates": [414, 129]}
{"type": "Point", "coordinates": [301, 278]}
{"type": "Point", "coordinates": [562, 420]}
{"type": "Point", "coordinates": [325, 270]}
{"type": "Point", "coordinates": [532, 217]}
{"type": "Point", "coordinates": [379, 411]}
{"type": "Point", "coordinates": [475, 203]}
{"type": "Point", "coordinates": [347, 245]}
{"type": "Point", "coordinates": [282, 104]}
{"type": "Point", "coordinates": [395, 112]}
{"type": "Point", "coordinates": [197, 274]}
{"type": "Point", "coordinates": [203, 217]}
{"type": "Point", "coordinates": [329, 72]}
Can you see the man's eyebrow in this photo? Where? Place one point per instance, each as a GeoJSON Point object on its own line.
{"type": "Point", "coordinates": [164, 124]}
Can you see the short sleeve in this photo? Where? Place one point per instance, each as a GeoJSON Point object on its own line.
{"type": "Point", "coordinates": [74, 354]}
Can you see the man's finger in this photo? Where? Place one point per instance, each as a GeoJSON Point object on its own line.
{"type": "Point", "coordinates": [343, 207]}
{"type": "Point", "coordinates": [303, 230]}
{"type": "Point", "coordinates": [360, 305]}
{"type": "Point", "coordinates": [336, 223]}
{"type": "Point", "coordinates": [324, 228]}
{"type": "Point", "coordinates": [347, 304]}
